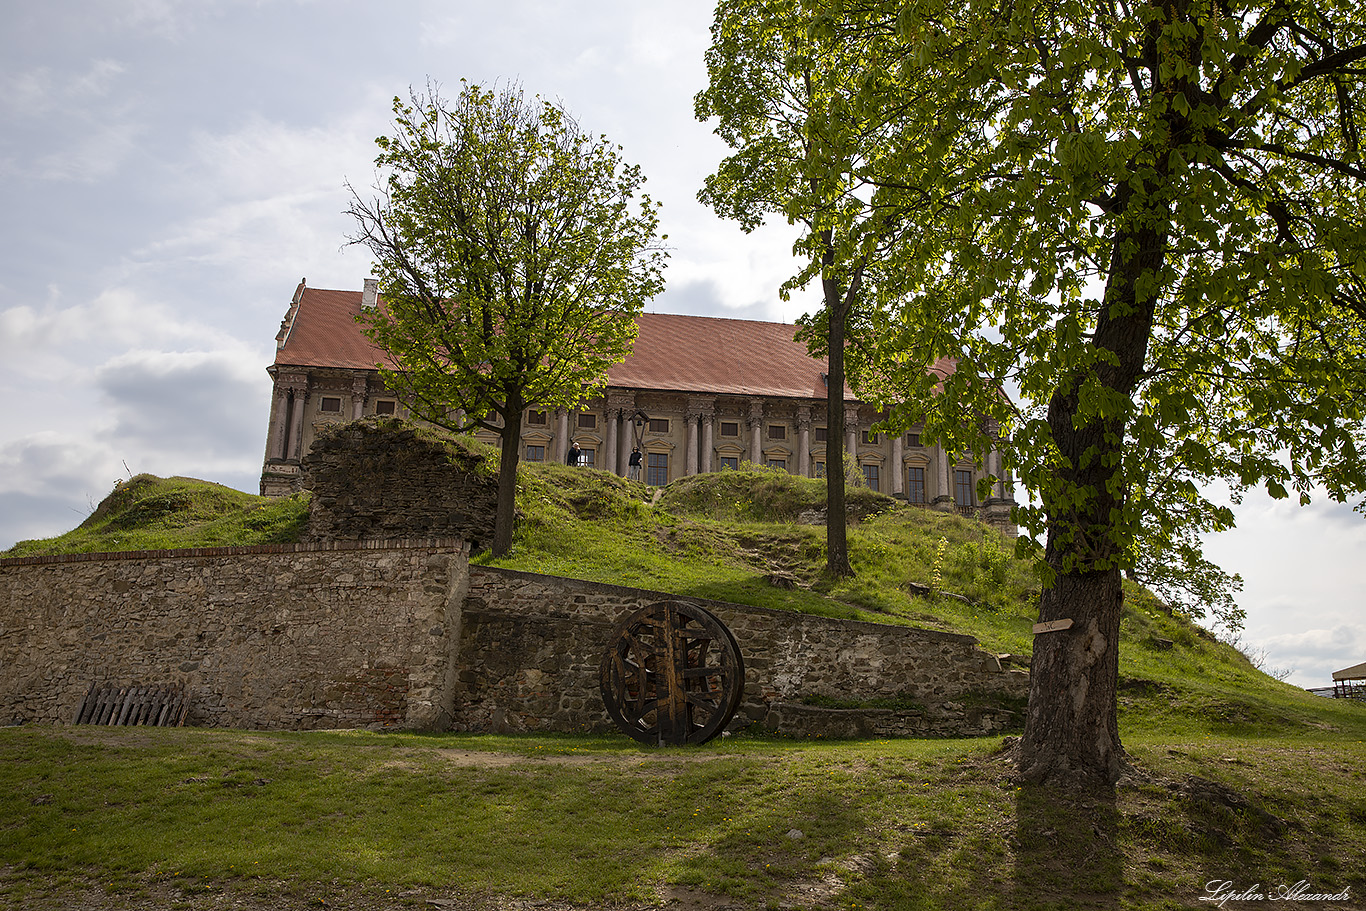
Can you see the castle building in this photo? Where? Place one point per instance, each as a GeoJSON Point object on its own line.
{"type": "Point", "coordinates": [697, 394]}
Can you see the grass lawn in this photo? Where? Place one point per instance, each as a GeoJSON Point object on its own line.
{"type": "Point", "coordinates": [187, 818]}
{"type": "Point", "coordinates": [1238, 778]}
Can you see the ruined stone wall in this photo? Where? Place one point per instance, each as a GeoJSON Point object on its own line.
{"type": "Point", "coordinates": [385, 479]}
{"type": "Point", "coordinates": [284, 636]}
{"type": "Point", "coordinates": [406, 635]}
{"type": "Point", "coordinates": [531, 645]}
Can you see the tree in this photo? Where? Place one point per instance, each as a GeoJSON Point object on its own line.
{"type": "Point", "coordinates": [1145, 221]}
{"type": "Point", "coordinates": [779, 94]}
{"type": "Point", "coordinates": [512, 259]}
{"type": "Point", "coordinates": [1152, 213]}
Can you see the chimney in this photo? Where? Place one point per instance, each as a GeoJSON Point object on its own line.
{"type": "Point", "coordinates": [370, 296]}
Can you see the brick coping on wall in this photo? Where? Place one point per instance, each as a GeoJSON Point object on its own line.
{"type": "Point", "coordinates": [607, 587]}
{"type": "Point", "coordinates": [312, 547]}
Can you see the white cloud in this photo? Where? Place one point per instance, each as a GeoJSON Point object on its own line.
{"type": "Point", "coordinates": [116, 318]}
{"type": "Point", "coordinates": [41, 91]}
{"type": "Point", "coordinates": [203, 407]}
{"type": "Point", "coordinates": [90, 157]}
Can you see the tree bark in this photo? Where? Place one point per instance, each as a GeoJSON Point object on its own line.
{"type": "Point", "coordinates": [505, 516]}
{"type": "Point", "coordinates": [1071, 731]}
{"type": "Point", "coordinates": [836, 517]}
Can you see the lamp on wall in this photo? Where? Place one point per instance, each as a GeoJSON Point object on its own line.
{"type": "Point", "coordinates": [640, 419]}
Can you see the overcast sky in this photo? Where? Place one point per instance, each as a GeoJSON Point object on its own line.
{"type": "Point", "coordinates": [170, 170]}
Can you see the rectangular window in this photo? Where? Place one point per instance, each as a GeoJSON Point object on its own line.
{"type": "Point", "coordinates": [912, 439]}
{"type": "Point", "coordinates": [869, 438]}
{"type": "Point", "coordinates": [777, 431]}
{"type": "Point", "coordinates": [330, 405]}
{"type": "Point", "coordinates": [820, 469]}
{"type": "Point", "coordinates": [780, 464]}
{"type": "Point", "coordinates": [535, 453]}
{"type": "Point", "coordinates": [822, 434]}
{"type": "Point", "coordinates": [731, 462]}
{"type": "Point", "coordinates": [537, 418]}
{"type": "Point", "coordinates": [915, 485]}
{"type": "Point", "coordinates": [659, 425]}
{"type": "Point", "coordinates": [730, 428]}
{"type": "Point", "coordinates": [870, 475]}
{"type": "Point", "coordinates": [586, 458]}
{"type": "Point", "coordinates": [588, 422]}
{"type": "Point", "coordinates": [962, 487]}
{"type": "Point", "coordinates": [657, 469]}
{"type": "Point", "coordinates": [386, 406]}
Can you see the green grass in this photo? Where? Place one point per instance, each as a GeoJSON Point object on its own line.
{"type": "Point", "coordinates": [342, 818]}
{"type": "Point", "coordinates": [1241, 777]}
{"type": "Point", "coordinates": [727, 535]}
{"type": "Point", "coordinates": [151, 513]}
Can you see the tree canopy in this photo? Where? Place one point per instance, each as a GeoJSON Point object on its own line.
{"type": "Point", "coordinates": [1146, 220]}
{"type": "Point", "coordinates": [513, 253]}
{"type": "Point", "coordinates": [802, 152]}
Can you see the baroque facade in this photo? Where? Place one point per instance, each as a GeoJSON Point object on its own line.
{"type": "Point", "coordinates": [697, 394]}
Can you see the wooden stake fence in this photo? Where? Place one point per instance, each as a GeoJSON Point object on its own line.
{"type": "Point", "coordinates": [163, 706]}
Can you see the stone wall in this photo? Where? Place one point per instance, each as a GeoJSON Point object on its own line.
{"type": "Point", "coordinates": [385, 479]}
{"type": "Point", "coordinates": [406, 635]}
{"type": "Point", "coordinates": [531, 645]}
{"type": "Point", "coordinates": [284, 636]}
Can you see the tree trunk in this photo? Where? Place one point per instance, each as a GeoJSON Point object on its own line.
{"type": "Point", "coordinates": [506, 515]}
{"type": "Point", "coordinates": [1071, 731]}
{"type": "Point", "coordinates": [836, 516]}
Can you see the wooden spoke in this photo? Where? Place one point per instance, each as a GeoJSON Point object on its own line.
{"type": "Point", "coordinates": [672, 675]}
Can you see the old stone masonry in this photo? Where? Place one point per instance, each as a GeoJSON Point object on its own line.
{"type": "Point", "coordinates": [406, 635]}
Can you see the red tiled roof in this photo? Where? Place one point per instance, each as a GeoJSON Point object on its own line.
{"type": "Point", "coordinates": [672, 352]}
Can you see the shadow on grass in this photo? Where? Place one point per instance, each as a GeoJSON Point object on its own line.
{"type": "Point", "coordinates": [1067, 852]}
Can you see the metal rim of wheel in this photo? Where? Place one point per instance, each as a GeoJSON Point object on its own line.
{"type": "Point", "coordinates": [672, 675]}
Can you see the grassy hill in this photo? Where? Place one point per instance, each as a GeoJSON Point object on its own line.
{"type": "Point", "coordinates": [151, 513]}
{"type": "Point", "coordinates": [1237, 777]}
{"type": "Point", "coordinates": [736, 536]}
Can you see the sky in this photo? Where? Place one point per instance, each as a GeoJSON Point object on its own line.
{"type": "Point", "coordinates": [170, 170]}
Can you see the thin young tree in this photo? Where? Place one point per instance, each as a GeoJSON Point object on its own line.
{"type": "Point", "coordinates": [780, 95]}
{"type": "Point", "coordinates": [514, 252]}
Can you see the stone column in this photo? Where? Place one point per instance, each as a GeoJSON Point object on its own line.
{"type": "Point", "coordinates": [359, 386]}
{"type": "Point", "coordinates": [708, 419]}
{"type": "Point", "coordinates": [690, 454]}
{"type": "Point", "coordinates": [944, 498]}
{"type": "Point", "coordinates": [296, 430]}
{"type": "Point", "coordinates": [851, 432]}
{"type": "Point", "coordinates": [275, 446]}
{"type": "Point", "coordinates": [699, 414]}
{"type": "Point", "coordinates": [561, 434]}
{"type": "Point", "coordinates": [898, 469]}
{"type": "Point", "coordinates": [608, 462]}
{"type": "Point", "coordinates": [621, 407]}
{"type": "Point", "coordinates": [804, 441]}
{"type": "Point", "coordinates": [756, 426]}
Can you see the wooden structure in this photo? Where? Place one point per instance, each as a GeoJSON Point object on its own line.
{"type": "Point", "coordinates": [672, 675]}
{"type": "Point", "coordinates": [164, 705]}
{"type": "Point", "coordinates": [1350, 682]}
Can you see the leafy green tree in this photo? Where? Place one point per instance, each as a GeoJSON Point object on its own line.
{"type": "Point", "coordinates": [1150, 215]}
{"type": "Point", "coordinates": [777, 91]}
{"type": "Point", "coordinates": [512, 256]}
{"type": "Point", "coordinates": [1146, 221]}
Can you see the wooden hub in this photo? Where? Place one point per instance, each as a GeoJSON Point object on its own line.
{"type": "Point", "coordinates": [672, 675]}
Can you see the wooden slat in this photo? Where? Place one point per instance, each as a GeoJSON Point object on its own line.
{"type": "Point", "coordinates": [161, 705]}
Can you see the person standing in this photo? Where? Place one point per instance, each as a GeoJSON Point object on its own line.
{"type": "Point", "coordinates": [634, 464]}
